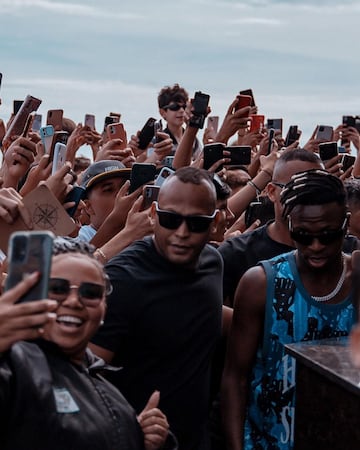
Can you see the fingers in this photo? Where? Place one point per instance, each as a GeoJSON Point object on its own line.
{"type": "Point", "coordinates": [153, 401]}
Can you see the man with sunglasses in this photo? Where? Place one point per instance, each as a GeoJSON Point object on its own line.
{"type": "Point", "coordinates": [305, 294]}
{"type": "Point", "coordinates": [173, 101]}
{"type": "Point", "coordinates": [245, 251]}
{"type": "Point", "coordinates": [165, 313]}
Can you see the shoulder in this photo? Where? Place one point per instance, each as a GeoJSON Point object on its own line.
{"type": "Point", "coordinates": [240, 243]}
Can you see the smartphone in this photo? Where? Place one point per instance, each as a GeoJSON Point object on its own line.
{"type": "Point", "coordinates": [54, 117]}
{"type": "Point", "coordinates": [141, 173]}
{"type": "Point", "coordinates": [30, 251]}
{"type": "Point", "coordinates": [292, 135]}
{"type": "Point", "coordinates": [240, 155]}
{"type": "Point", "coordinates": [16, 106]}
{"type": "Point", "coordinates": [36, 124]}
{"type": "Point", "coordinates": [108, 120]}
{"type": "Point", "coordinates": [276, 124]}
{"type": "Point", "coordinates": [59, 136]}
{"type": "Point", "coordinates": [117, 131]}
{"type": "Point", "coordinates": [76, 194]}
{"type": "Point", "coordinates": [16, 127]}
{"type": "Point", "coordinates": [115, 114]}
{"type": "Point", "coordinates": [257, 122]}
{"type": "Point", "coordinates": [46, 135]}
{"type": "Point", "coordinates": [1, 75]}
{"type": "Point", "coordinates": [89, 121]}
{"type": "Point", "coordinates": [59, 157]}
{"type": "Point", "coordinates": [212, 153]}
{"type": "Point", "coordinates": [328, 150]}
{"type": "Point", "coordinates": [27, 125]}
{"type": "Point", "coordinates": [250, 93]}
{"type": "Point", "coordinates": [243, 101]}
{"type": "Point", "coordinates": [262, 209]}
{"type": "Point", "coordinates": [157, 127]}
{"type": "Point", "coordinates": [168, 161]}
{"type": "Point", "coordinates": [163, 174]}
{"type": "Point", "coordinates": [324, 133]}
{"type": "Point", "coordinates": [147, 133]}
{"type": "Point", "coordinates": [347, 161]}
{"type": "Point", "coordinates": [271, 137]}
{"type": "Point", "coordinates": [150, 194]}
{"type": "Point", "coordinates": [213, 122]}
{"type": "Point", "coordinates": [200, 103]}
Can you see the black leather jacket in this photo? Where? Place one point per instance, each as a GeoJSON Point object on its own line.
{"type": "Point", "coordinates": [49, 403]}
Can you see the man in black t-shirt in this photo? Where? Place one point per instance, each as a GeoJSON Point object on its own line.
{"type": "Point", "coordinates": [164, 314]}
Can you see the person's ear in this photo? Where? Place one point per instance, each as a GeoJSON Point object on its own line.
{"type": "Point", "coordinates": [88, 207]}
{"type": "Point", "coordinates": [162, 113]}
{"type": "Point", "coordinates": [215, 222]}
{"type": "Point", "coordinates": [270, 189]}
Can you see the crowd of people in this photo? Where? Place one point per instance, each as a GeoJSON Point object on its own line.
{"type": "Point", "coordinates": [165, 322]}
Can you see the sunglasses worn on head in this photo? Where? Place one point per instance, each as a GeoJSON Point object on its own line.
{"type": "Point", "coordinates": [195, 223]}
{"type": "Point", "coordinates": [90, 294]}
{"type": "Point", "coordinates": [326, 237]}
{"type": "Point", "coordinates": [174, 106]}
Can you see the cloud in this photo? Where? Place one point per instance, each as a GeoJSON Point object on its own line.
{"type": "Point", "coordinates": [67, 8]}
{"type": "Point", "coordinates": [255, 21]}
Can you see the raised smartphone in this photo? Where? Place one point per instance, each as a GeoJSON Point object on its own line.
{"type": "Point", "coordinates": [292, 135]}
{"type": "Point", "coordinates": [17, 105]}
{"type": "Point", "coordinates": [276, 124]}
{"type": "Point", "coordinates": [141, 173]}
{"type": "Point", "coordinates": [116, 131]}
{"type": "Point", "coordinates": [257, 122]}
{"type": "Point", "coordinates": [59, 136]}
{"type": "Point", "coordinates": [36, 124]}
{"type": "Point", "coordinates": [16, 127]}
{"type": "Point", "coordinates": [54, 117]}
{"type": "Point", "coordinates": [164, 173]}
{"type": "Point", "coordinates": [271, 137]}
{"type": "Point", "coordinates": [347, 161]}
{"type": "Point", "coordinates": [324, 133]}
{"type": "Point", "coordinates": [147, 133]}
{"type": "Point", "coordinates": [30, 251]}
{"type": "Point", "coordinates": [150, 194]}
{"type": "Point", "coordinates": [76, 194]}
{"type": "Point", "coordinates": [250, 93]}
{"type": "Point", "coordinates": [240, 155]}
{"type": "Point", "coordinates": [212, 153]}
{"type": "Point", "coordinates": [243, 101]}
{"type": "Point", "coordinates": [168, 161]}
{"type": "Point", "coordinates": [46, 135]}
{"type": "Point", "coordinates": [262, 209]}
{"type": "Point", "coordinates": [328, 150]}
{"type": "Point", "coordinates": [200, 103]}
{"type": "Point", "coordinates": [89, 121]}
{"type": "Point", "coordinates": [59, 157]}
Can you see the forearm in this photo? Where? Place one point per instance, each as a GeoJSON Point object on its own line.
{"type": "Point", "coordinates": [115, 245]}
{"type": "Point", "coordinates": [183, 154]}
{"type": "Point", "coordinates": [233, 410]}
{"type": "Point", "coordinates": [107, 231]}
{"type": "Point", "coordinates": [239, 201]}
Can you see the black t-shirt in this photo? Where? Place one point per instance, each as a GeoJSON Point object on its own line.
{"type": "Point", "coordinates": [245, 251]}
{"type": "Point", "coordinates": [163, 322]}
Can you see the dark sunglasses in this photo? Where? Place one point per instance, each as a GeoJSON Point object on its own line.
{"type": "Point", "coordinates": [174, 106]}
{"type": "Point", "coordinates": [90, 294]}
{"type": "Point", "coordinates": [280, 185]}
{"type": "Point", "coordinates": [326, 237]}
{"type": "Point", "coordinates": [172, 220]}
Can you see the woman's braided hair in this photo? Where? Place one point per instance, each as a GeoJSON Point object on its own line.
{"type": "Point", "coordinates": [312, 187]}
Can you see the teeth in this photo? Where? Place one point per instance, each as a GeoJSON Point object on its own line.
{"type": "Point", "coordinates": [69, 319]}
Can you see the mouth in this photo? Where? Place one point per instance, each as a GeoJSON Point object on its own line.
{"type": "Point", "coordinates": [69, 321]}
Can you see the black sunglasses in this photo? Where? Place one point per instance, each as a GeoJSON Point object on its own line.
{"type": "Point", "coordinates": [326, 237]}
{"type": "Point", "coordinates": [280, 185]}
{"type": "Point", "coordinates": [174, 106]}
{"type": "Point", "coordinates": [90, 294]}
{"type": "Point", "coordinates": [195, 223]}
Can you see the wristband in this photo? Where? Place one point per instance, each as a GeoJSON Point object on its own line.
{"type": "Point", "coordinates": [257, 189]}
{"type": "Point", "coordinates": [99, 252]}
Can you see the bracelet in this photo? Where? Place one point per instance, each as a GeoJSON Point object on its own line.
{"type": "Point", "coordinates": [99, 252]}
{"type": "Point", "coordinates": [267, 172]}
{"type": "Point", "coordinates": [257, 189]}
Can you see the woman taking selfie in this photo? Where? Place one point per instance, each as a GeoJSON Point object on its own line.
{"type": "Point", "coordinates": [52, 394]}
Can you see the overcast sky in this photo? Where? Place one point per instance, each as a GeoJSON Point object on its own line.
{"type": "Point", "coordinates": [301, 59]}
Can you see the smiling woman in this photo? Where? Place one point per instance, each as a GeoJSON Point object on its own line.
{"type": "Point", "coordinates": [51, 392]}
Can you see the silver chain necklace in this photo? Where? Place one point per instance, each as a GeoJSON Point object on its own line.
{"type": "Point", "coordinates": [337, 288]}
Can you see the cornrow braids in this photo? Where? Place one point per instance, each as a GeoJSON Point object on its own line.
{"type": "Point", "coordinates": [312, 187]}
{"type": "Point", "coordinates": [69, 245]}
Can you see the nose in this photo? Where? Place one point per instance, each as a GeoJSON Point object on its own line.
{"type": "Point", "coordinates": [182, 230]}
{"type": "Point", "coordinates": [72, 300]}
{"type": "Point", "coordinates": [316, 245]}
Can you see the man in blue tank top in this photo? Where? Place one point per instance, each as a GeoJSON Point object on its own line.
{"type": "Point", "coordinates": [297, 296]}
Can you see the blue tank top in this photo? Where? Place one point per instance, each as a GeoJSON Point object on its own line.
{"type": "Point", "coordinates": [291, 316]}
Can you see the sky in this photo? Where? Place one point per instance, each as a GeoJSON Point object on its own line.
{"type": "Point", "coordinates": [299, 57]}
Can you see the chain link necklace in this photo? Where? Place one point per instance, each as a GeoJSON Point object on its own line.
{"type": "Point", "coordinates": [337, 288]}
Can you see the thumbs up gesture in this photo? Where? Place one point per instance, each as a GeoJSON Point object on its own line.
{"type": "Point", "coordinates": [153, 423]}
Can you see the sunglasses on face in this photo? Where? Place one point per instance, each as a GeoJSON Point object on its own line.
{"type": "Point", "coordinates": [174, 106]}
{"type": "Point", "coordinates": [326, 237]}
{"type": "Point", "coordinates": [90, 294]}
{"type": "Point", "coordinates": [195, 223]}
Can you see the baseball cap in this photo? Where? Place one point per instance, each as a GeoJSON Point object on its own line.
{"type": "Point", "coordinates": [102, 170]}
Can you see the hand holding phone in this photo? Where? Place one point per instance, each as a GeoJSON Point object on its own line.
{"type": "Point", "coordinates": [146, 134]}
{"type": "Point", "coordinates": [240, 155]}
{"type": "Point", "coordinates": [212, 153]}
{"type": "Point", "coordinates": [199, 111]}
{"type": "Point", "coordinates": [328, 150]}
{"type": "Point", "coordinates": [141, 173]}
{"type": "Point", "coordinates": [54, 118]}
{"type": "Point", "coordinates": [324, 133]}
{"type": "Point", "coordinates": [59, 157]}
{"type": "Point", "coordinates": [30, 251]}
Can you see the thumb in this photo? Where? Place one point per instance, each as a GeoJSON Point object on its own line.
{"type": "Point", "coordinates": [153, 401]}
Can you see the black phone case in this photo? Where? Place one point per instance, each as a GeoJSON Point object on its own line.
{"type": "Point", "coordinates": [30, 251]}
{"type": "Point", "coordinates": [212, 153]}
{"type": "Point", "coordinates": [147, 133]}
{"type": "Point", "coordinates": [141, 174]}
